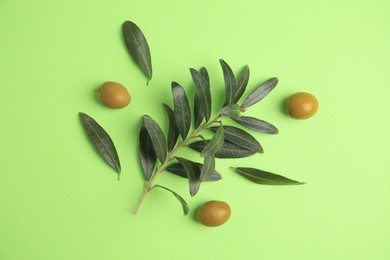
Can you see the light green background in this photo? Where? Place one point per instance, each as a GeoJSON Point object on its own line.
{"type": "Point", "coordinates": [59, 200]}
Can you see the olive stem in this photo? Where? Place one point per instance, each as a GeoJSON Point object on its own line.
{"type": "Point", "coordinates": [149, 185]}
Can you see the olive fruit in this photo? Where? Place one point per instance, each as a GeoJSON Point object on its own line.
{"type": "Point", "coordinates": [214, 213]}
{"type": "Point", "coordinates": [113, 95]}
{"type": "Point", "coordinates": [302, 105]}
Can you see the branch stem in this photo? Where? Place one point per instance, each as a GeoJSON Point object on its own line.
{"type": "Point", "coordinates": [150, 184]}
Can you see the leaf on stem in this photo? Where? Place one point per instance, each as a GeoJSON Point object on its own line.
{"type": "Point", "coordinates": [181, 109]}
{"type": "Point", "coordinates": [198, 113]}
{"type": "Point", "coordinates": [202, 90]}
{"type": "Point", "coordinates": [147, 153]}
{"type": "Point", "coordinates": [232, 111]}
{"type": "Point", "coordinates": [193, 174]}
{"type": "Point", "coordinates": [256, 125]}
{"type": "Point", "coordinates": [173, 133]}
{"type": "Point", "coordinates": [260, 92]}
{"type": "Point", "coordinates": [184, 204]}
{"type": "Point", "coordinates": [240, 138]}
{"type": "Point", "coordinates": [242, 82]}
{"type": "Point", "coordinates": [215, 143]}
{"type": "Point", "coordinates": [230, 82]}
{"type": "Point", "coordinates": [205, 76]}
{"type": "Point", "coordinates": [208, 167]}
{"type": "Point", "coordinates": [263, 177]}
{"type": "Point", "coordinates": [138, 47]}
{"type": "Point", "coordinates": [102, 141]}
{"type": "Point", "coordinates": [157, 136]}
{"type": "Point", "coordinates": [178, 170]}
{"type": "Point", "coordinates": [228, 150]}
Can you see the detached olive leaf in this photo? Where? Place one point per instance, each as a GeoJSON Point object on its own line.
{"type": "Point", "coordinates": [240, 138]}
{"type": "Point", "coordinates": [173, 133]}
{"type": "Point", "coordinates": [181, 109]}
{"type": "Point", "coordinates": [260, 92]}
{"type": "Point", "coordinates": [193, 174]}
{"type": "Point", "coordinates": [215, 143]}
{"type": "Point", "coordinates": [184, 204]}
{"type": "Point", "coordinates": [228, 150]}
{"type": "Point", "coordinates": [232, 111]}
{"type": "Point", "coordinates": [138, 47]}
{"type": "Point", "coordinates": [198, 113]}
{"type": "Point", "coordinates": [256, 125]}
{"type": "Point", "coordinates": [230, 82]}
{"type": "Point", "coordinates": [208, 167]}
{"type": "Point", "coordinates": [242, 82]}
{"type": "Point", "coordinates": [147, 154]}
{"type": "Point", "coordinates": [178, 170]}
{"type": "Point", "coordinates": [157, 136]}
{"type": "Point", "coordinates": [102, 141]}
{"type": "Point", "coordinates": [202, 91]}
{"type": "Point", "coordinates": [263, 177]}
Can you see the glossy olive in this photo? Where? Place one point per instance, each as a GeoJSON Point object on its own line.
{"type": "Point", "coordinates": [302, 105]}
{"type": "Point", "coordinates": [214, 213]}
{"type": "Point", "coordinates": [114, 95]}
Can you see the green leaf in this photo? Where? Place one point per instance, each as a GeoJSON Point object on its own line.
{"type": "Point", "coordinates": [208, 167]}
{"type": "Point", "coordinates": [173, 133]}
{"type": "Point", "coordinates": [181, 109]}
{"type": "Point", "coordinates": [260, 92]}
{"type": "Point", "coordinates": [215, 143]}
{"type": "Point", "coordinates": [228, 150]}
{"type": "Point", "coordinates": [193, 174]}
{"type": "Point", "coordinates": [230, 82]}
{"type": "Point", "coordinates": [240, 138]}
{"type": "Point", "coordinates": [263, 177]}
{"type": "Point", "coordinates": [102, 141]}
{"type": "Point", "coordinates": [202, 91]}
{"type": "Point", "coordinates": [232, 111]}
{"type": "Point", "coordinates": [178, 170]}
{"type": "Point", "coordinates": [138, 47]}
{"type": "Point", "coordinates": [157, 136]}
{"type": "Point", "coordinates": [147, 153]}
{"type": "Point", "coordinates": [184, 204]}
{"type": "Point", "coordinates": [242, 82]}
{"type": "Point", "coordinates": [205, 76]}
{"type": "Point", "coordinates": [256, 125]}
{"type": "Point", "coordinates": [198, 113]}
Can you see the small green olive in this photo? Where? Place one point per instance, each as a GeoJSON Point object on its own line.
{"type": "Point", "coordinates": [113, 95]}
{"type": "Point", "coordinates": [302, 105]}
{"type": "Point", "coordinates": [214, 213]}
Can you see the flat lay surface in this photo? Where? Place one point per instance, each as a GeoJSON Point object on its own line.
{"type": "Point", "coordinates": [60, 200]}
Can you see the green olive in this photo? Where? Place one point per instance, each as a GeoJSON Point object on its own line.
{"type": "Point", "coordinates": [113, 95]}
{"type": "Point", "coordinates": [214, 213]}
{"type": "Point", "coordinates": [302, 105]}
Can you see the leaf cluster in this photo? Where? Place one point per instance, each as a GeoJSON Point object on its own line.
{"type": "Point", "coordinates": [228, 141]}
